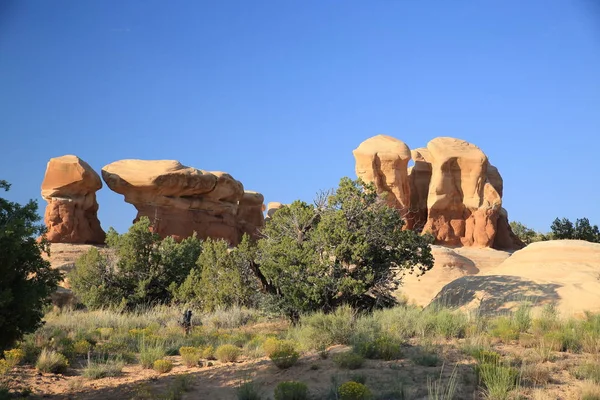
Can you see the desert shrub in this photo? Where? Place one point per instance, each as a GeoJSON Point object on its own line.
{"type": "Point", "coordinates": [285, 357]}
{"type": "Point", "coordinates": [505, 329]}
{"type": "Point", "coordinates": [426, 356]}
{"type": "Point", "coordinates": [162, 366]}
{"type": "Point", "coordinates": [103, 368]}
{"type": "Point", "coordinates": [590, 391]}
{"type": "Point", "coordinates": [440, 389]}
{"type": "Point", "coordinates": [486, 356]}
{"type": "Point", "coordinates": [51, 361]}
{"type": "Point", "coordinates": [333, 328]}
{"type": "Point", "coordinates": [548, 319]}
{"type": "Point", "coordinates": [227, 353]}
{"type": "Point", "coordinates": [382, 348]}
{"type": "Point", "coordinates": [248, 391]}
{"type": "Point", "coordinates": [14, 357]}
{"type": "Point", "coordinates": [354, 391]}
{"type": "Point", "coordinates": [291, 390]}
{"type": "Point", "coordinates": [564, 339]}
{"type": "Point", "coordinates": [589, 370]}
{"type": "Point", "coordinates": [527, 340]}
{"type": "Point", "coordinates": [230, 318]}
{"type": "Point", "coordinates": [348, 360]}
{"type": "Point", "coordinates": [149, 354]}
{"type": "Point", "coordinates": [208, 353]}
{"type": "Point", "coordinates": [190, 355]}
{"type": "Point", "coordinates": [82, 347]}
{"type": "Point", "coordinates": [536, 374]}
{"type": "Point", "coordinates": [522, 318]}
{"type": "Point", "coordinates": [271, 345]}
{"type": "Point", "coordinates": [499, 379]}
{"type": "Point", "coordinates": [4, 368]}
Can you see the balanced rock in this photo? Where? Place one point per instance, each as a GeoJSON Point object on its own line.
{"type": "Point", "coordinates": [181, 200]}
{"type": "Point", "coordinates": [383, 161]}
{"type": "Point", "coordinates": [69, 187]}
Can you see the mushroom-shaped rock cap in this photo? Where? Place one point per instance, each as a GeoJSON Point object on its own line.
{"type": "Point", "coordinates": [69, 176]}
{"type": "Point", "coordinates": [251, 198]}
{"type": "Point", "coordinates": [382, 144]}
{"type": "Point", "coordinates": [445, 148]}
{"type": "Point", "coordinates": [162, 177]}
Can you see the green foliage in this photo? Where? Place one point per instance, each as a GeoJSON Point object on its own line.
{"type": "Point", "coordinates": [162, 366]}
{"type": "Point", "coordinates": [190, 355]}
{"type": "Point", "coordinates": [285, 356]}
{"type": "Point", "coordinates": [589, 370]}
{"type": "Point", "coordinates": [345, 250]}
{"type": "Point", "coordinates": [103, 368]}
{"type": "Point", "coordinates": [51, 361]}
{"type": "Point", "coordinates": [291, 390]}
{"type": "Point", "coordinates": [227, 353]}
{"type": "Point", "coordinates": [219, 279]}
{"type": "Point", "coordinates": [248, 391]}
{"type": "Point", "coordinates": [354, 391]}
{"type": "Point", "coordinates": [27, 279]}
{"type": "Point", "coordinates": [499, 380]}
{"type": "Point", "coordinates": [382, 348]}
{"type": "Point", "coordinates": [14, 357]}
{"type": "Point", "coordinates": [581, 230]}
{"type": "Point", "coordinates": [82, 347]}
{"type": "Point", "coordinates": [138, 269]}
{"type": "Point", "coordinates": [348, 360]}
{"type": "Point", "coordinates": [150, 353]}
{"type": "Point", "coordinates": [527, 235]}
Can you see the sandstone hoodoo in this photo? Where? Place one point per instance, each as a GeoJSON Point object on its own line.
{"type": "Point", "coordinates": [452, 191]}
{"type": "Point", "coordinates": [383, 160]}
{"type": "Point", "coordinates": [69, 187]}
{"type": "Point", "coordinates": [181, 200]}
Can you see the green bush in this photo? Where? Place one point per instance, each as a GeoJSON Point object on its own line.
{"type": "Point", "coordinates": [149, 354]}
{"type": "Point", "coordinates": [51, 361]}
{"type": "Point", "coordinates": [499, 380]}
{"type": "Point", "coordinates": [190, 356]}
{"type": "Point", "coordinates": [354, 391]}
{"type": "Point", "coordinates": [162, 366]}
{"type": "Point", "coordinates": [382, 348]}
{"type": "Point", "coordinates": [291, 390]}
{"type": "Point", "coordinates": [209, 353]}
{"type": "Point", "coordinates": [248, 391]}
{"type": "Point", "coordinates": [589, 370]}
{"type": "Point", "coordinates": [486, 356]}
{"type": "Point", "coordinates": [27, 279]}
{"type": "Point", "coordinates": [348, 360]}
{"type": "Point", "coordinates": [227, 353]}
{"type": "Point", "coordinates": [522, 318]}
{"type": "Point", "coordinates": [505, 329]}
{"type": "Point", "coordinates": [285, 357]}
{"type": "Point", "coordinates": [82, 347]}
{"type": "Point", "coordinates": [103, 369]}
{"type": "Point", "coordinates": [14, 357]}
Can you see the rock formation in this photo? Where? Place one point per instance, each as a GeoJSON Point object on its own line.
{"type": "Point", "coordinates": [180, 200]}
{"type": "Point", "coordinates": [272, 207]}
{"type": "Point", "coordinates": [383, 160]}
{"type": "Point", "coordinates": [559, 272]}
{"type": "Point", "coordinates": [69, 187]}
{"type": "Point", "coordinates": [452, 191]}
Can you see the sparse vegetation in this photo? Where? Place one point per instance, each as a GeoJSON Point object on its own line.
{"type": "Point", "coordinates": [51, 361]}
{"type": "Point", "coordinates": [227, 353]}
{"type": "Point", "coordinates": [291, 390]}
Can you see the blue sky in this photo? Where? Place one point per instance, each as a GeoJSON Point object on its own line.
{"type": "Point", "coordinates": [279, 93]}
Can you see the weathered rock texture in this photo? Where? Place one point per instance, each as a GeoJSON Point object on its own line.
{"type": "Point", "coordinates": [181, 200]}
{"type": "Point", "coordinates": [383, 160]}
{"type": "Point", "coordinates": [69, 187]}
{"type": "Point", "coordinates": [559, 272]}
{"type": "Point", "coordinates": [452, 191]}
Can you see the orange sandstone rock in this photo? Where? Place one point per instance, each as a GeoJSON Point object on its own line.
{"type": "Point", "coordinates": [69, 187]}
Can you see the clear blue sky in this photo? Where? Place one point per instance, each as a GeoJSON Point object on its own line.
{"type": "Point", "coordinates": [279, 93]}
